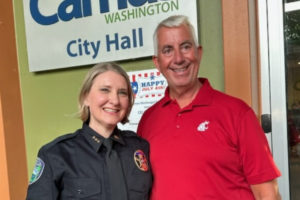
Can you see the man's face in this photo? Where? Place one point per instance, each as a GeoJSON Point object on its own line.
{"type": "Point", "coordinates": [178, 57]}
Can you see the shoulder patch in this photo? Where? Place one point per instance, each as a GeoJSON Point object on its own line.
{"type": "Point", "coordinates": [141, 160]}
{"type": "Point", "coordinates": [37, 171]}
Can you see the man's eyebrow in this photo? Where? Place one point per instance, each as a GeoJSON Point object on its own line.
{"type": "Point", "coordinates": [186, 42]}
{"type": "Point", "coordinates": [166, 46]}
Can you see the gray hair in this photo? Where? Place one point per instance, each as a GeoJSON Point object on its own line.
{"type": "Point", "coordinates": [88, 82]}
{"type": "Point", "coordinates": [173, 21]}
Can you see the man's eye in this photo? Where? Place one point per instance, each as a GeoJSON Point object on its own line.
{"type": "Point", "coordinates": [186, 47]}
{"type": "Point", "coordinates": [167, 51]}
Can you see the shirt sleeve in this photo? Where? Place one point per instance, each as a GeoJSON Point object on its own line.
{"type": "Point", "coordinates": [42, 183]}
{"type": "Point", "coordinates": [256, 157]}
{"type": "Point", "coordinates": [140, 126]}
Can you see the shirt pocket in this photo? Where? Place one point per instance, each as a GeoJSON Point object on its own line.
{"type": "Point", "coordinates": [139, 184]}
{"type": "Point", "coordinates": [81, 189]}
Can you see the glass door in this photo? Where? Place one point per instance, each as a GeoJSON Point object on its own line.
{"type": "Point", "coordinates": [279, 32]}
{"type": "Point", "coordinates": [292, 67]}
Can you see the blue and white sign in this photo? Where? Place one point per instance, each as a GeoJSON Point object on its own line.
{"type": "Point", "coordinates": [149, 87]}
{"type": "Point", "coordinates": [65, 33]}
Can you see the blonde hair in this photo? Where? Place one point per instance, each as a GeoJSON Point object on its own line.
{"type": "Point", "coordinates": [88, 82]}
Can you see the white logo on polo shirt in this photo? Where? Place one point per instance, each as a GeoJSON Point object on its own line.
{"type": "Point", "coordinates": [203, 126]}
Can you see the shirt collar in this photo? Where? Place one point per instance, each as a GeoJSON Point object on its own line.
{"type": "Point", "coordinates": [204, 96]}
{"type": "Point", "coordinates": [96, 140]}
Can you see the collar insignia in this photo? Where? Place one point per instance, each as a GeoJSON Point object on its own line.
{"type": "Point", "coordinates": [116, 137]}
{"type": "Point", "coordinates": [96, 139]}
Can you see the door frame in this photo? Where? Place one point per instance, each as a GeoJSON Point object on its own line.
{"type": "Point", "coordinates": [273, 84]}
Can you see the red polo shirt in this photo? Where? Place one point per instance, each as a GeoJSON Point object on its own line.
{"type": "Point", "coordinates": [213, 148]}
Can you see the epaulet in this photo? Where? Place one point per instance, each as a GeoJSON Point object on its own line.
{"type": "Point", "coordinates": [133, 135]}
{"type": "Point", "coordinates": [60, 139]}
{"type": "Point", "coordinates": [128, 133]}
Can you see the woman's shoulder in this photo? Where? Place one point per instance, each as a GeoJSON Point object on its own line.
{"type": "Point", "coordinates": [60, 140]}
{"type": "Point", "coordinates": [131, 135]}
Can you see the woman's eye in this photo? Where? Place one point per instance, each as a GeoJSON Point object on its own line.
{"type": "Point", "coordinates": [104, 89]}
{"type": "Point", "coordinates": [124, 93]}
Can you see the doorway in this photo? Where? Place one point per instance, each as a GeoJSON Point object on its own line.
{"type": "Point", "coordinates": [279, 31]}
{"type": "Point", "coordinates": [292, 67]}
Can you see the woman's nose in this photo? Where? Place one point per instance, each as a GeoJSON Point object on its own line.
{"type": "Point", "coordinates": [114, 98]}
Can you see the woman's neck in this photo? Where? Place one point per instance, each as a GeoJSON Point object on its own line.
{"type": "Point", "coordinates": [103, 131]}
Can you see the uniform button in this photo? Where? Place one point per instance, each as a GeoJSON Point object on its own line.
{"type": "Point", "coordinates": [179, 114]}
{"type": "Point", "coordinates": [79, 191]}
{"type": "Point", "coordinates": [177, 126]}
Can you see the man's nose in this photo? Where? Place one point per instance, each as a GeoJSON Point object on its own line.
{"type": "Point", "coordinates": [178, 57]}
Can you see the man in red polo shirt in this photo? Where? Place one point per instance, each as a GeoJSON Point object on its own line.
{"type": "Point", "coordinates": [203, 144]}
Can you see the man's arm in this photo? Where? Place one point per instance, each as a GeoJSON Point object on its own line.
{"type": "Point", "coordinates": [266, 191]}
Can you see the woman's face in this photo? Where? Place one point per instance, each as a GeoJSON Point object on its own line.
{"type": "Point", "coordinates": [107, 100]}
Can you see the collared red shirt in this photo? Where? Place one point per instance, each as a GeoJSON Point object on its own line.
{"type": "Point", "coordinates": [214, 148]}
{"type": "Point", "coordinates": [73, 167]}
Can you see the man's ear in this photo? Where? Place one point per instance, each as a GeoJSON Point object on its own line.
{"type": "Point", "coordinates": [155, 61]}
{"type": "Point", "coordinates": [199, 51]}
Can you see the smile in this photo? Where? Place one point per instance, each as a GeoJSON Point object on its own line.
{"type": "Point", "coordinates": [178, 70]}
{"type": "Point", "coordinates": [111, 110]}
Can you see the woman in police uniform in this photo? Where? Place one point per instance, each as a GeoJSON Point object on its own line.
{"type": "Point", "coordinates": [98, 161]}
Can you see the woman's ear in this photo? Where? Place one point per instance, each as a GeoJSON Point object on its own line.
{"type": "Point", "coordinates": [86, 101]}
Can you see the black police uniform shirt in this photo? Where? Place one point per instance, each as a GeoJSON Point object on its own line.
{"type": "Point", "coordinates": [73, 167]}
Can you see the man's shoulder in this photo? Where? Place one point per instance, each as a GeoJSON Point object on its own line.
{"type": "Point", "coordinates": [156, 107]}
{"type": "Point", "coordinates": [153, 113]}
{"type": "Point", "coordinates": [230, 99]}
{"type": "Point", "coordinates": [230, 103]}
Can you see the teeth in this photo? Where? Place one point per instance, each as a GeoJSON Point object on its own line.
{"type": "Point", "coordinates": [110, 110]}
{"type": "Point", "coordinates": [180, 69]}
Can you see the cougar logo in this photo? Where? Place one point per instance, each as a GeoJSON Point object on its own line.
{"type": "Point", "coordinates": [203, 126]}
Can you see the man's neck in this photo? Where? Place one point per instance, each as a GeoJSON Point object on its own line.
{"type": "Point", "coordinates": [183, 95]}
